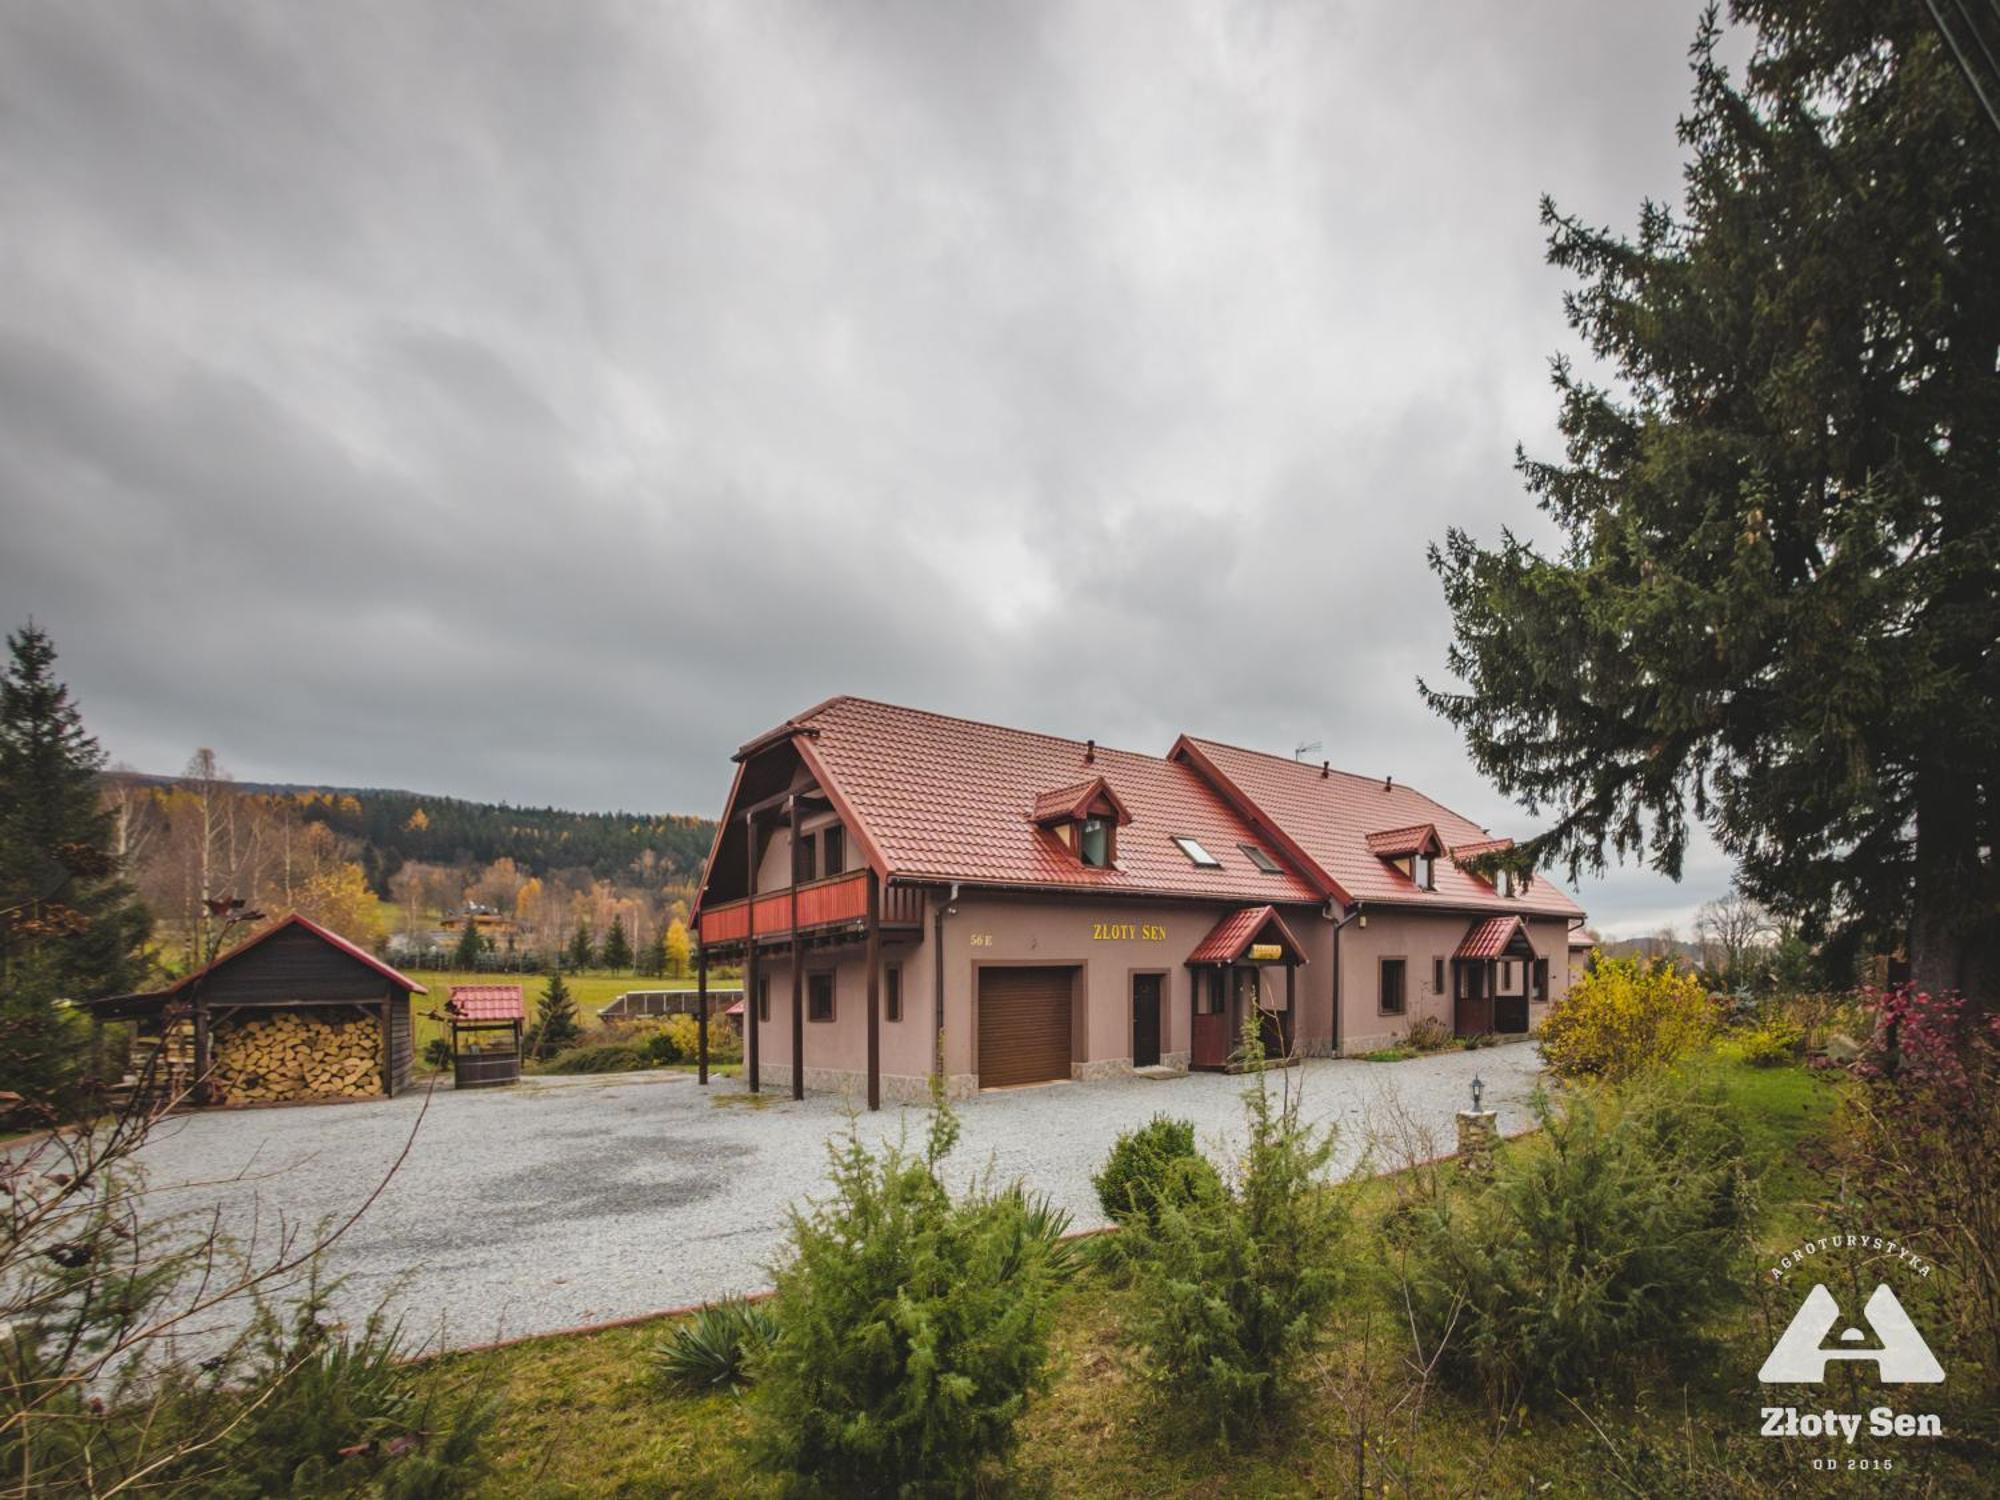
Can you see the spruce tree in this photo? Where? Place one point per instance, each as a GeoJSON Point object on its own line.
{"type": "Point", "coordinates": [617, 947]}
{"type": "Point", "coordinates": [653, 957]}
{"type": "Point", "coordinates": [582, 951]}
{"type": "Point", "coordinates": [466, 954]}
{"type": "Point", "coordinates": [69, 926]}
{"type": "Point", "coordinates": [1775, 597]}
{"type": "Point", "coordinates": [556, 1023]}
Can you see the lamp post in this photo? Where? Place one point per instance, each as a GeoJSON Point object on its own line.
{"type": "Point", "coordinates": [1476, 1134]}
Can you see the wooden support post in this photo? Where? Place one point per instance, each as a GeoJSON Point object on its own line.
{"type": "Point", "coordinates": [798, 972]}
{"type": "Point", "coordinates": [701, 1015]}
{"type": "Point", "coordinates": [874, 989]}
{"type": "Point", "coordinates": [1289, 1029]}
{"type": "Point", "coordinates": [388, 1047]}
{"type": "Point", "coordinates": [754, 1052]}
{"type": "Point", "coordinates": [199, 1089]}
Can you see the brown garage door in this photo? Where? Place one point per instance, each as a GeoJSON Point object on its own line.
{"type": "Point", "coordinates": [1023, 1026]}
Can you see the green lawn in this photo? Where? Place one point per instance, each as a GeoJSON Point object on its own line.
{"type": "Point", "coordinates": [583, 1418]}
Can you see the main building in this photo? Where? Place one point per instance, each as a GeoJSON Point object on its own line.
{"type": "Point", "coordinates": [913, 894]}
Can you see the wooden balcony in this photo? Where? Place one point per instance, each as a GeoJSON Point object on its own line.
{"type": "Point", "coordinates": [825, 907]}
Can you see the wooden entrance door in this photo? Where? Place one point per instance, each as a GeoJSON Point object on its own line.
{"type": "Point", "coordinates": [1145, 1020]}
{"type": "Point", "coordinates": [1473, 1008]}
{"type": "Point", "coordinates": [1024, 1026]}
{"type": "Point", "coordinates": [1209, 1039]}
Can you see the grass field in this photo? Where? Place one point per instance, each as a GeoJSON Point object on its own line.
{"type": "Point", "coordinates": [584, 1418]}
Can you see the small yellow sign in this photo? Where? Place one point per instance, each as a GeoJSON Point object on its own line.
{"type": "Point", "coordinates": [1266, 953]}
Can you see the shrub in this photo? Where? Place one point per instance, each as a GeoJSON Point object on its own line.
{"type": "Point", "coordinates": [343, 1415]}
{"type": "Point", "coordinates": [600, 1057]}
{"type": "Point", "coordinates": [1773, 1044]}
{"type": "Point", "coordinates": [1237, 1278]}
{"type": "Point", "coordinates": [437, 1056]}
{"type": "Point", "coordinates": [712, 1350]}
{"type": "Point", "coordinates": [1156, 1163]}
{"type": "Point", "coordinates": [660, 1049]}
{"type": "Point", "coordinates": [1617, 1231]}
{"type": "Point", "coordinates": [912, 1329]}
{"type": "Point", "coordinates": [1918, 1134]}
{"type": "Point", "coordinates": [1625, 1017]}
{"type": "Point", "coordinates": [1429, 1034]}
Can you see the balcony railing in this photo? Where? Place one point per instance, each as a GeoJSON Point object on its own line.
{"type": "Point", "coordinates": [834, 902]}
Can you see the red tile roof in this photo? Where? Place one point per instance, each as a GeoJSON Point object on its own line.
{"type": "Point", "coordinates": [1324, 821]}
{"type": "Point", "coordinates": [949, 799]}
{"type": "Point", "coordinates": [1232, 936]}
{"type": "Point", "coordinates": [487, 1002]}
{"type": "Point", "coordinates": [1404, 840]}
{"type": "Point", "coordinates": [1476, 847]}
{"type": "Point", "coordinates": [1488, 939]}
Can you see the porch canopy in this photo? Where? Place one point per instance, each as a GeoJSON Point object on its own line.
{"type": "Point", "coordinates": [1249, 928]}
{"type": "Point", "coordinates": [1492, 938]}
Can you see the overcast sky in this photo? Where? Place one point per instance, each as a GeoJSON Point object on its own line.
{"type": "Point", "coordinates": [535, 402]}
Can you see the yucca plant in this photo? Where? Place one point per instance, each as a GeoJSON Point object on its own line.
{"type": "Point", "coordinates": [1043, 1226]}
{"type": "Point", "coordinates": [712, 1350]}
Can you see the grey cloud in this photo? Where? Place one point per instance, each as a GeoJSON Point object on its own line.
{"type": "Point", "coordinates": [535, 402]}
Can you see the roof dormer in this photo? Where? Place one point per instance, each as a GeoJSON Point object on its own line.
{"type": "Point", "coordinates": [1412, 850]}
{"type": "Point", "coordinates": [1505, 880]}
{"type": "Point", "coordinates": [1086, 818]}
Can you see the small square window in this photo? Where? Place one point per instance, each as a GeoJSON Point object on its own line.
{"type": "Point", "coordinates": [892, 993]}
{"type": "Point", "coordinates": [819, 997]}
{"type": "Point", "coordinates": [1196, 854]}
{"type": "Point", "coordinates": [1427, 871]}
{"type": "Point", "coordinates": [1093, 842]}
{"type": "Point", "coordinates": [1437, 976]}
{"type": "Point", "coordinates": [1259, 858]}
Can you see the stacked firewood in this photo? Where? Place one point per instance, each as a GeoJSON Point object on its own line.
{"type": "Point", "coordinates": [297, 1055]}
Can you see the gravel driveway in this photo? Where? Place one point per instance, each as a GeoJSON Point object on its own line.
{"type": "Point", "coordinates": [575, 1200]}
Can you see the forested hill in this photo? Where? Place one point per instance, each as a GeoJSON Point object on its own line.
{"type": "Point", "coordinates": [395, 828]}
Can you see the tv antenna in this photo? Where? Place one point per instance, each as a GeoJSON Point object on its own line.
{"type": "Point", "coordinates": [1304, 748]}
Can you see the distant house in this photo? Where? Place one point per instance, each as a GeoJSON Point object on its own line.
{"type": "Point", "coordinates": [489, 920]}
{"type": "Point", "coordinates": [913, 894]}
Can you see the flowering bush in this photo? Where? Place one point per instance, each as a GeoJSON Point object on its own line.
{"type": "Point", "coordinates": [1627, 1016]}
{"type": "Point", "coordinates": [1919, 1136]}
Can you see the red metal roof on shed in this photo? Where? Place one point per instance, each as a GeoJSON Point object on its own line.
{"type": "Point", "coordinates": [325, 935]}
{"type": "Point", "coordinates": [487, 1002]}
{"type": "Point", "coordinates": [950, 799]}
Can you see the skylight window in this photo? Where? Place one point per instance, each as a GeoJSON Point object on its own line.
{"type": "Point", "coordinates": [1259, 858]}
{"type": "Point", "coordinates": [1197, 855]}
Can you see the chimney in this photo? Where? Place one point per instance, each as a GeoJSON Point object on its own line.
{"type": "Point", "coordinates": [1090, 752]}
{"type": "Point", "coordinates": [1325, 769]}
{"type": "Point", "coordinates": [1388, 783]}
